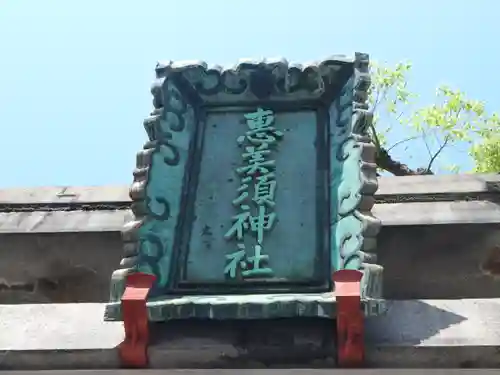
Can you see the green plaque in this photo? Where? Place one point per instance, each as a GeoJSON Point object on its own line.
{"type": "Point", "coordinates": [256, 185]}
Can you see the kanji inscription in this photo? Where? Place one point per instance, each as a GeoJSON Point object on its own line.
{"type": "Point", "coordinates": [255, 199]}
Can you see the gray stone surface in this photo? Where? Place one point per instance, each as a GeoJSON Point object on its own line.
{"type": "Point", "coordinates": [47, 336]}
{"type": "Point", "coordinates": [440, 261]}
{"type": "Point", "coordinates": [72, 194]}
{"type": "Point", "coordinates": [469, 322]}
{"type": "Point", "coordinates": [105, 208]}
{"type": "Point", "coordinates": [462, 183]}
{"type": "Point", "coordinates": [64, 267]}
{"type": "Point", "coordinates": [420, 333]}
{"type": "Point", "coordinates": [391, 214]}
{"type": "Point", "coordinates": [75, 250]}
{"type": "Point", "coordinates": [57, 326]}
{"type": "Point", "coordinates": [27, 222]}
{"type": "Point", "coordinates": [438, 184]}
{"type": "Point", "coordinates": [436, 333]}
{"type": "Point", "coordinates": [438, 213]}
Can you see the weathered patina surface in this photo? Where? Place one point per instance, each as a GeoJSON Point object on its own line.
{"type": "Point", "coordinates": [256, 184]}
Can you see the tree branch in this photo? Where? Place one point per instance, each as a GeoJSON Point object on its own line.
{"type": "Point", "coordinates": [387, 163]}
{"type": "Point", "coordinates": [375, 137]}
{"type": "Point", "coordinates": [438, 152]}
{"type": "Point", "coordinates": [402, 141]}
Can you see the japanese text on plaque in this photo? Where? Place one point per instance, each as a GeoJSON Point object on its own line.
{"type": "Point", "coordinates": [256, 197]}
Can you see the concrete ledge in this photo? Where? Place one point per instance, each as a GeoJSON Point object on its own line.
{"type": "Point", "coordinates": [408, 185]}
{"type": "Point", "coordinates": [64, 221]}
{"type": "Point", "coordinates": [433, 213]}
{"type": "Point", "coordinates": [413, 334]}
{"type": "Point", "coordinates": [58, 336]}
{"type": "Point", "coordinates": [65, 194]}
{"type": "Point", "coordinates": [436, 333]}
{"type": "Point", "coordinates": [391, 214]}
{"type": "Point", "coordinates": [410, 200]}
{"type": "Point", "coordinates": [439, 184]}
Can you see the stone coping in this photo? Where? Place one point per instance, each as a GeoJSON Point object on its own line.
{"type": "Point", "coordinates": [406, 185]}
{"type": "Point", "coordinates": [245, 306]}
{"type": "Point", "coordinates": [412, 334]}
{"type": "Point", "coordinates": [390, 214]}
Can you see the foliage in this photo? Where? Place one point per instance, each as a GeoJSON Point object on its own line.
{"type": "Point", "coordinates": [453, 120]}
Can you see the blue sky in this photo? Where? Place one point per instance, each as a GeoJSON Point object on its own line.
{"type": "Point", "coordinates": [75, 75]}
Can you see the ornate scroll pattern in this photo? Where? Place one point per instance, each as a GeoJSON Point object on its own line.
{"type": "Point", "coordinates": [252, 80]}
{"type": "Point", "coordinates": [161, 166]}
{"type": "Point", "coordinates": [157, 188]}
{"type": "Point", "coordinates": [353, 182]}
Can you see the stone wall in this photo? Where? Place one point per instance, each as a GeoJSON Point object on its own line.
{"type": "Point", "coordinates": [440, 239]}
{"type": "Point", "coordinates": [440, 262]}
{"type": "Point", "coordinates": [447, 261]}
{"type": "Point", "coordinates": [57, 267]}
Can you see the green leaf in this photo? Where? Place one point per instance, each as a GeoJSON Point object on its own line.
{"type": "Point", "coordinates": [453, 116]}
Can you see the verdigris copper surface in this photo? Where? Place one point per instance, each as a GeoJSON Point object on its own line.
{"type": "Point", "coordinates": [256, 184]}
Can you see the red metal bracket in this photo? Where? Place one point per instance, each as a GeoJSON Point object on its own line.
{"type": "Point", "coordinates": [133, 349]}
{"type": "Point", "coordinates": [350, 318]}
